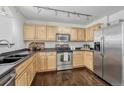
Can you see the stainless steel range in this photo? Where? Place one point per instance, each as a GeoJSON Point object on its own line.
{"type": "Point", "coordinates": [64, 60]}
{"type": "Point", "coordinates": [64, 56]}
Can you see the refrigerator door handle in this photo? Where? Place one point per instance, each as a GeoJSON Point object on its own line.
{"type": "Point", "coordinates": [101, 46]}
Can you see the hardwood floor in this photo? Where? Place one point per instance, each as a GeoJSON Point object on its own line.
{"type": "Point", "coordinates": [75, 77]}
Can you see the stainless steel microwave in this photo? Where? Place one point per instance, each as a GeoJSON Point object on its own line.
{"type": "Point", "coordinates": [62, 37]}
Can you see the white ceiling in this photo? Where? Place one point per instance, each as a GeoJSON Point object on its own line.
{"type": "Point", "coordinates": [50, 16]}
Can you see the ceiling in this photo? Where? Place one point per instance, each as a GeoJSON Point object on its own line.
{"type": "Point", "coordinates": [31, 13]}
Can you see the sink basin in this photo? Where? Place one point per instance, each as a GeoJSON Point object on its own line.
{"type": "Point", "coordinates": [18, 55]}
{"type": "Point", "coordinates": [9, 60]}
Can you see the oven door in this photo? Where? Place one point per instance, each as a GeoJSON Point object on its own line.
{"type": "Point", "coordinates": [61, 61]}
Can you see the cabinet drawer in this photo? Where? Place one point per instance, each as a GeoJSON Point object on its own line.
{"type": "Point", "coordinates": [89, 53]}
{"type": "Point", "coordinates": [78, 52]}
{"type": "Point", "coordinates": [42, 53]}
{"type": "Point", "coordinates": [22, 67]}
{"type": "Point", "coordinates": [51, 53]}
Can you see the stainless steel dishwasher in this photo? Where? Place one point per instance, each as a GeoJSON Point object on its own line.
{"type": "Point", "coordinates": [8, 79]}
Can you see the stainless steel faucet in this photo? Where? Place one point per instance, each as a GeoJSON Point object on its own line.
{"type": "Point", "coordinates": [8, 43]}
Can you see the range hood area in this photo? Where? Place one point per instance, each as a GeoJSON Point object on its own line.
{"type": "Point", "coordinates": [61, 46]}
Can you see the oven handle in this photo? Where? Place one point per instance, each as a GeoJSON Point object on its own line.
{"type": "Point", "coordinates": [10, 80]}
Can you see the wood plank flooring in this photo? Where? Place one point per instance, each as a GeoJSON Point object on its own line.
{"type": "Point", "coordinates": [75, 77]}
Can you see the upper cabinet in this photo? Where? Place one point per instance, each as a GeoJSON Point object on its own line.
{"type": "Point", "coordinates": [48, 33]}
{"type": "Point", "coordinates": [73, 34]}
{"type": "Point", "coordinates": [41, 33]}
{"type": "Point", "coordinates": [51, 33]}
{"type": "Point", "coordinates": [29, 32]}
{"type": "Point", "coordinates": [89, 34]}
{"type": "Point", "coordinates": [81, 34]}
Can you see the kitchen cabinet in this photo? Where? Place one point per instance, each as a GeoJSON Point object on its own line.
{"type": "Point", "coordinates": [29, 32]}
{"type": "Point", "coordinates": [65, 30]}
{"type": "Point", "coordinates": [41, 33]}
{"type": "Point", "coordinates": [51, 33]}
{"type": "Point", "coordinates": [30, 74]}
{"type": "Point", "coordinates": [41, 62]}
{"type": "Point", "coordinates": [73, 34]}
{"type": "Point", "coordinates": [22, 80]}
{"type": "Point", "coordinates": [51, 60]}
{"type": "Point", "coordinates": [88, 59]}
{"type": "Point", "coordinates": [46, 61]}
{"type": "Point", "coordinates": [25, 72]}
{"type": "Point", "coordinates": [90, 32]}
{"type": "Point", "coordinates": [78, 59]}
{"type": "Point", "coordinates": [81, 34]}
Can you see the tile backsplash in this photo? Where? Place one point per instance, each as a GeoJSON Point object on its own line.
{"type": "Point", "coordinates": [71, 44]}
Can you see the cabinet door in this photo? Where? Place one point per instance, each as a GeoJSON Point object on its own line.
{"type": "Point", "coordinates": [73, 34]}
{"type": "Point", "coordinates": [29, 32]}
{"type": "Point", "coordinates": [22, 80]}
{"type": "Point", "coordinates": [88, 60]}
{"type": "Point", "coordinates": [51, 61]}
{"type": "Point", "coordinates": [81, 34]}
{"type": "Point", "coordinates": [51, 33]}
{"type": "Point", "coordinates": [66, 30]}
{"type": "Point", "coordinates": [30, 73]}
{"type": "Point", "coordinates": [41, 32]}
{"type": "Point", "coordinates": [41, 61]}
{"type": "Point", "coordinates": [89, 34]}
{"type": "Point", "coordinates": [77, 59]}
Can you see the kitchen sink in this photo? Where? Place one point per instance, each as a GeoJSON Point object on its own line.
{"type": "Point", "coordinates": [24, 55]}
{"type": "Point", "coordinates": [9, 60]}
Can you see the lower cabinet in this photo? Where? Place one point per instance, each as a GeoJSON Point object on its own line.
{"type": "Point", "coordinates": [51, 60]}
{"type": "Point", "coordinates": [78, 59]}
{"type": "Point", "coordinates": [88, 59]}
{"type": "Point", "coordinates": [25, 72]}
{"type": "Point", "coordinates": [41, 62]}
{"type": "Point", "coordinates": [46, 61]}
{"type": "Point", "coordinates": [30, 74]}
{"type": "Point", "coordinates": [22, 80]}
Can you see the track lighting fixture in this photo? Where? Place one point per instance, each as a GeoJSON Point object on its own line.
{"type": "Point", "coordinates": [69, 13]}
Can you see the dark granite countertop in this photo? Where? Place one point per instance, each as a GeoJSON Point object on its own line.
{"type": "Point", "coordinates": [5, 68]}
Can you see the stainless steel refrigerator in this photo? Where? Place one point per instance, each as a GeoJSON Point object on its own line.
{"type": "Point", "coordinates": [108, 53]}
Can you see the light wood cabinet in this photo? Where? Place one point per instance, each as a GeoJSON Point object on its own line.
{"type": "Point", "coordinates": [41, 62]}
{"type": "Point", "coordinates": [41, 33]}
{"type": "Point", "coordinates": [88, 59]}
{"type": "Point", "coordinates": [46, 61]}
{"type": "Point", "coordinates": [73, 34]}
{"type": "Point", "coordinates": [51, 33]}
{"type": "Point", "coordinates": [25, 72]}
{"type": "Point", "coordinates": [22, 80]}
{"type": "Point", "coordinates": [78, 59]}
{"type": "Point", "coordinates": [29, 32]}
{"type": "Point", "coordinates": [30, 73]}
{"type": "Point", "coordinates": [81, 34]}
{"type": "Point", "coordinates": [51, 60]}
{"type": "Point", "coordinates": [90, 32]}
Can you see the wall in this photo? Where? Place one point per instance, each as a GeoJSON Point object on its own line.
{"type": "Point", "coordinates": [11, 28]}
{"type": "Point", "coordinates": [113, 17]}
{"type": "Point", "coordinates": [53, 23]}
